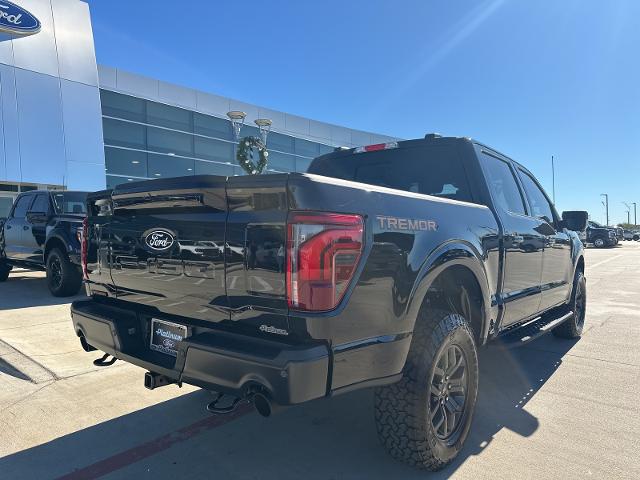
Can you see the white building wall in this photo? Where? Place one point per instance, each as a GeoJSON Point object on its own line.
{"type": "Point", "coordinates": [50, 113]}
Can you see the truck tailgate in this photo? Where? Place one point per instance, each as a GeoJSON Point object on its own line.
{"type": "Point", "coordinates": [203, 247]}
{"type": "Point", "coordinates": [167, 244]}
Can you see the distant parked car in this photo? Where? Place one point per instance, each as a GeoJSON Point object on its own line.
{"type": "Point", "coordinates": [600, 235]}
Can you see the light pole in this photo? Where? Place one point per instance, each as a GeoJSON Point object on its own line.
{"type": "Point", "coordinates": [553, 179]}
{"type": "Point", "coordinates": [237, 121]}
{"type": "Point", "coordinates": [264, 126]}
{"type": "Point", "coordinates": [635, 219]}
{"type": "Point", "coordinates": [236, 117]}
{"type": "Point", "coordinates": [628, 212]}
{"type": "Point", "coordinates": [606, 205]}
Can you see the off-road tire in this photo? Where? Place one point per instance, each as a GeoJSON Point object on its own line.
{"type": "Point", "coordinates": [63, 278]}
{"type": "Point", "coordinates": [572, 328]}
{"type": "Point", "coordinates": [4, 271]}
{"type": "Point", "coordinates": [402, 410]}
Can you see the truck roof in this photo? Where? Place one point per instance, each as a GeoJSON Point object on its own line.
{"type": "Point", "coordinates": [429, 138]}
{"type": "Point", "coordinates": [53, 191]}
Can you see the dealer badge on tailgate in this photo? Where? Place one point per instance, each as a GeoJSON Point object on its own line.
{"type": "Point", "coordinates": [166, 335]}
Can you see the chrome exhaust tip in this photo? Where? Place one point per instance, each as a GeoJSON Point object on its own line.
{"type": "Point", "coordinates": [84, 344]}
{"type": "Point", "coordinates": [265, 406]}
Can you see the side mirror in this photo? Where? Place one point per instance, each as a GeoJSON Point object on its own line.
{"type": "Point", "coordinates": [575, 220]}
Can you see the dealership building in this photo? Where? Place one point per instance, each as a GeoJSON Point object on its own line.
{"type": "Point", "coordinates": [67, 122]}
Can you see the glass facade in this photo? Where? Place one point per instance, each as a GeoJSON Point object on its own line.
{"type": "Point", "coordinates": [145, 140]}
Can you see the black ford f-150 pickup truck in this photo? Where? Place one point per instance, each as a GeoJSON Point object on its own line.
{"type": "Point", "coordinates": [42, 232]}
{"type": "Point", "coordinates": [600, 235]}
{"type": "Point", "coordinates": [384, 266]}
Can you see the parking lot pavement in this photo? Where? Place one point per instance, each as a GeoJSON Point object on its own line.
{"type": "Point", "coordinates": [552, 409]}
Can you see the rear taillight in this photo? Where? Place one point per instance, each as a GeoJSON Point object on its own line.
{"type": "Point", "coordinates": [84, 239]}
{"type": "Point", "coordinates": [323, 250]}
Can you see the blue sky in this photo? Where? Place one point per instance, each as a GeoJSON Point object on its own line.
{"type": "Point", "coordinates": [532, 79]}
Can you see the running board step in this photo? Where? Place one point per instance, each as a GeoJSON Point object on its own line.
{"type": "Point", "coordinates": [528, 332]}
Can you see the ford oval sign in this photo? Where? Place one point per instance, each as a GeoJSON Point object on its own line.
{"type": "Point", "coordinates": [159, 240]}
{"type": "Point", "coordinates": [15, 19]}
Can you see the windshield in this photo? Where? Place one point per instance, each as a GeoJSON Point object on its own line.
{"type": "Point", "coordinates": [70, 202]}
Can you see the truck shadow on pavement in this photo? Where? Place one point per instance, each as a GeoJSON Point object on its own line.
{"type": "Point", "coordinates": [7, 368]}
{"type": "Point", "coordinates": [333, 438]}
{"type": "Point", "coordinates": [14, 294]}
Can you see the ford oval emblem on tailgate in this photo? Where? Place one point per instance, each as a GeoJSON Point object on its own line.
{"type": "Point", "coordinates": [159, 240]}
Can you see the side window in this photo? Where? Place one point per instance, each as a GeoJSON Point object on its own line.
{"type": "Point", "coordinates": [5, 207]}
{"type": "Point", "coordinates": [22, 205]}
{"type": "Point", "coordinates": [40, 204]}
{"type": "Point", "coordinates": [502, 183]}
{"type": "Point", "coordinates": [540, 206]}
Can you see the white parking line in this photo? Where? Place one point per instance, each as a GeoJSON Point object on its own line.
{"type": "Point", "coordinates": [603, 261]}
{"type": "Point", "coordinates": [156, 300]}
{"type": "Point", "coordinates": [173, 279]}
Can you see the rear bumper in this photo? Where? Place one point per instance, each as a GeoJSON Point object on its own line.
{"type": "Point", "coordinates": [218, 361]}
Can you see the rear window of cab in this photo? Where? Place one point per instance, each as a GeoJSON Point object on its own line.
{"type": "Point", "coordinates": [436, 171]}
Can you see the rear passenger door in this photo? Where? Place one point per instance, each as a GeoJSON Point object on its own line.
{"type": "Point", "coordinates": [523, 243]}
{"type": "Point", "coordinates": [33, 238]}
{"type": "Point", "coordinates": [557, 267]}
{"type": "Point", "coordinates": [15, 227]}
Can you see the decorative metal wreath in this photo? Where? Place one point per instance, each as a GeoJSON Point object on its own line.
{"type": "Point", "coordinates": [245, 155]}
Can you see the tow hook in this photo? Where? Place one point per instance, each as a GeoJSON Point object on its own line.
{"type": "Point", "coordinates": [155, 380]}
{"type": "Point", "coordinates": [103, 362]}
{"type": "Point", "coordinates": [220, 406]}
{"type": "Point", "coordinates": [261, 400]}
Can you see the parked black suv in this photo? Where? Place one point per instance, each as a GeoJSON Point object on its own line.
{"type": "Point", "coordinates": [42, 232]}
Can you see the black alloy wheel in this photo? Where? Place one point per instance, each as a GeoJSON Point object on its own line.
{"type": "Point", "coordinates": [580, 304]}
{"type": "Point", "coordinates": [55, 273]}
{"type": "Point", "coordinates": [572, 327]}
{"type": "Point", "coordinates": [63, 277]}
{"type": "Point", "coordinates": [448, 394]}
{"type": "Point", "coordinates": [4, 271]}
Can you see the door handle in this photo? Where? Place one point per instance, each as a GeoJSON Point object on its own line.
{"type": "Point", "coordinates": [25, 227]}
